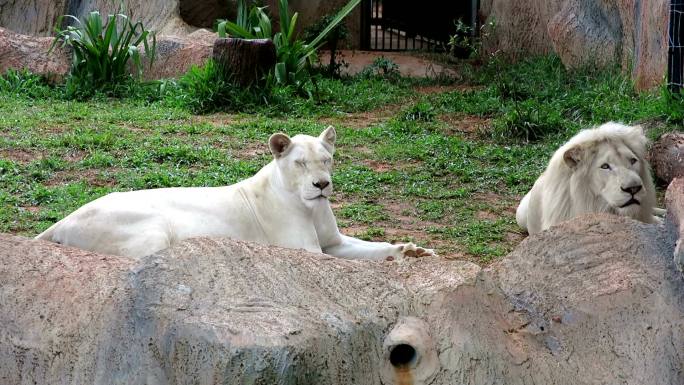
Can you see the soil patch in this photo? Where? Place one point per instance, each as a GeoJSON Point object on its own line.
{"type": "Point", "coordinates": [20, 155]}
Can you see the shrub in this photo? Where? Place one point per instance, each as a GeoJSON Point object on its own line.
{"type": "Point", "coordinates": [381, 67]}
{"type": "Point", "coordinates": [332, 40]}
{"type": "Point", "coordinates": [209, 88]}
{"type": "Point", "coordinates": [102, 51]}
{"type": "Point", "coordinates": [294, 56]}
{"type": "Point", "coordinates": [24, 83]}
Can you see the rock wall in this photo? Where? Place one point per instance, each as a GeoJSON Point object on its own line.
{"type": "Point", "coordinates": [595, 299]}
{"type": "Point", "coordinates": [39, 17]}
{"type": "Point", "coordinates": [168, 17]}
{"type": "Point", "coordinates": [174, 56]}
{"type": "Point", "coordinates": [591, 33]}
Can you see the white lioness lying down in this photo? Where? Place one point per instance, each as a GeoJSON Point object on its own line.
{"type": "Point", "coordinates": [599, 170]}
{"type": "Point", "coordinates": [284, 204]}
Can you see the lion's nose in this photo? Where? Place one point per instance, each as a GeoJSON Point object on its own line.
{"type": "Point", "coordinates": [321, 184]}
{"type": "Point", "coordinates": [632, 190]}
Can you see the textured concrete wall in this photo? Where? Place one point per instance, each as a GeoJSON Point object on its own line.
{"type": "Point", "coordinates": [631, 34]}
{"type": "Point", "coordinates": [587, 302]}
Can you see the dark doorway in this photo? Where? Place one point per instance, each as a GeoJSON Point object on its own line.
{"type": "Point", "coordinates": [203, 13]}
{"type": "Point", "coordinates": [402, 25]}
{"type": "Point", "coordinates": [675, 64]}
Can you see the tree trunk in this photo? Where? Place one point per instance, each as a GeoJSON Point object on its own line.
{"type": "Point", "coordinates": [245, 61]}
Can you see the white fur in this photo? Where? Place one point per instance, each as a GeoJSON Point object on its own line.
{"type": "Point", "coordinates": [574, 182]}
{"type": "Point", "coordinates": [280, 205]}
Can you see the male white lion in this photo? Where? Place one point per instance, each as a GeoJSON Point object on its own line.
{"type": "Point", "coordinates": [599, 170]}
{"type": "Point", "coordinates": [284, 204]}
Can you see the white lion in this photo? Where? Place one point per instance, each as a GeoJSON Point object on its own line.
{"type": "Point", "coordinates": [284, 204]}
{"type": "Point", "coordinates": [599, 170]}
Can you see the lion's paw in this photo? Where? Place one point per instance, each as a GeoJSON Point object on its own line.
{"type": "Point", "coordinates": [411, 250]}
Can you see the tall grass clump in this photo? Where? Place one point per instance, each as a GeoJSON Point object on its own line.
{"type": "Point", "coordinates": [102, 51]}
{"type": "Point", "coordinates": [24, 84]}
{"type": "Point", "coordinates": [209, 88]}
{"type": "Point", "coordinates": [538, 98]}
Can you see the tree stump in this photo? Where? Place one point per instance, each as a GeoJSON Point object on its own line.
{"type": "Point", "coordinates": [245, 61]}
{"type": "Point", "coordinates": [667, 157]}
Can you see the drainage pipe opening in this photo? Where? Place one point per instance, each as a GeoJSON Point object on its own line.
{"type": "Point", "coordinates": [402, 355]}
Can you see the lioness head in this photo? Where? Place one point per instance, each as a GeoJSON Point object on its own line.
{"type": "Point", "coordinates": [613, 168]}
{"type": "Point", "coordinates": [305, 163]}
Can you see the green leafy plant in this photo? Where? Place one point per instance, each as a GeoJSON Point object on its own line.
{"type": "Point", "coordinates": [422, 111]}
{"type": "Point", "coordinates": [332, 41]}
{"type": "Point", "coordinates": [381, 67]}
{"type": "Point", "coordinates": [24, 83]}
{"type": "Point", "coordinates": [466, 43]}
{"type": "Point", "coordinates": [294, 56]}
{"type": "Point", "coordinates": [102, 50]}
{"type": "Point", "coordinates": [209, 88]}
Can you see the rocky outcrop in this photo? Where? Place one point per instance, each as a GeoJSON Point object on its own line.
{"type": "Point", "coordinates": [21, 51]}
{"type": "Point", "coordinates": [39, 17]}
{"type": "Point", "coordinates": [586, 302]}
{"type": "Point", "coordinates": [174, 55]}
{"type": "Point", "coordinates": [591, 33]}
{"type": "Point", "coordinates": [667, 157]}
{"type": "Point", "coordinates": [674, 200]}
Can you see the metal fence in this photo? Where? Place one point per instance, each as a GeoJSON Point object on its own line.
{"type": "Point", "coordinates": [675, 68]}
{"type": "Point", "coordinates": [403, 25]}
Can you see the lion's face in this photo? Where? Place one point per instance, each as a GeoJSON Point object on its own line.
{"type": "Point", "coordinates": [612, 171]}
{"type": "Point", "coordinates": [305, 164]}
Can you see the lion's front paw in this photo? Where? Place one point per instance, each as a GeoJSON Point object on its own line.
{"type": "Point", "coordinates": [411, 250]}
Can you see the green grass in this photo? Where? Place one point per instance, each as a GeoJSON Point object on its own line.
{"type": "Point", "coordinates": [410, 175]}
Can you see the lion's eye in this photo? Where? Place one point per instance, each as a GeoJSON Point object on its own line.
{"type": "Point", "coordinates": [326, 162]}
{"type": "Point", "coordinates": [300, 163]}
{"type": "Point", "coordinates": [605, 166]}
{"type": "Point", "coordinates": [633, 160]}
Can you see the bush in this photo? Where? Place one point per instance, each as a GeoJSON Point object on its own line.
{"type": "Point", "coordinates": [294, 56]}
{"type": "Point", "coordinates": [381, 67]}
{"type": "Point", "coordinates": [102, 51]}
{"type": "Point", "coordinates": [209, 88]}
{"type": "Point", "coordinates": [22, 83]}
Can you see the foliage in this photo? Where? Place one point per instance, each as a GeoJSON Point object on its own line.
{"type": "Point", "coordinates": [383, 68]}
{"type": "Point", "coordinates": [466, 43]}
{"type": "Point", "coordinates": [421, 111]}
{"type": "Point", "coordinates": [332, 41]}
{"type": "Point", "coordinates": [294, 56]}
{"type": "Point", "coordinates": [537, 98]}
{"type": "Point", "coordinates": [102, 51]}
{"type": "Point", "coordinates": [209, 88]}
{"type": "Point", "coordinates": [23, 83]}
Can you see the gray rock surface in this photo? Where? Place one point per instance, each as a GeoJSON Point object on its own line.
{"type": "Point", "coordinates": [21, 51]}
{"type": "Point", "coordinates": [674, 201]}
{"type": "Point", "coordinates": [632, 34]}
{"type": "Point", "coordinates": [586, 302]}
{"type": "Point", "coordinates": [667, 157]}
{"type": "Point", "coordinates": [39, 17]}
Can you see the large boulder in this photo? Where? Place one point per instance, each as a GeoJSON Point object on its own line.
{"type": "Point", "coordinates": [667, 157]}
{"type": "Point", "coordinates": [174, 54]}
{"type": "Point", "coordinates": [586, 302]}
{"type": "Point", "coordinates": [27, 52]}
{"type": "Point", "coordinates": [39, 17]}
{"type": "Point", "coordinates": [632, 34]}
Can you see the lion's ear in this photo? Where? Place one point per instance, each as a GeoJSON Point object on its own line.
{"type": "Point", "coordinates": [573, 156]}
{"type": "Point", "coordinates": [279, 144]}
{"type": "Point", "coordinates": [328, 136]}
